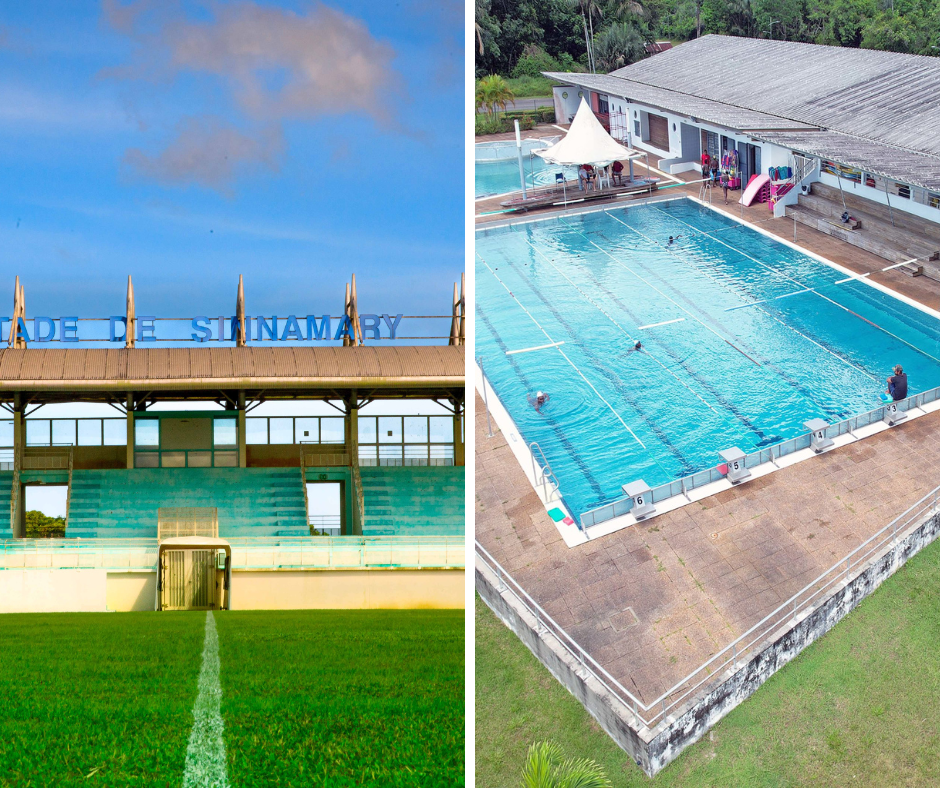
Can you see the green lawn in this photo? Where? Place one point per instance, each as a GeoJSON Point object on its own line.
{"type": "Point", "coordinates": [326, 698]}
{"type": "Point", "coordinates": [859, 707]}
{"type": "Point", "coordinates": [337, 698]}
{"type": "Point", "coordinates": [97, 698]}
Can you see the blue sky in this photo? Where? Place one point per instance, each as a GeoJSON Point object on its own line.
{"type": "Point", "coordinates": [185, 143]}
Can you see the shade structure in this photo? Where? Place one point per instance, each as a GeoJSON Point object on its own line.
{"type": "Point", "coordinates": [587, 142]}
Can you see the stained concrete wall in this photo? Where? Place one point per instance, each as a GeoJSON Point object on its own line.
{"type": "Point", "coordinates": [132, 591]}
{"type": "Point", "coordinates": [53, 590]}
{"type": "Point", "coordinates": [654, 749]}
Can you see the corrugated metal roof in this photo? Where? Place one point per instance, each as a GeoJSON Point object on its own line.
{"type": "Point", "coordinates": [197, 368]}
{"type": "Point", "coordinates": [883, 96]}
{"type": "Point", "coordinates": [680, 103]}
{"type": "Point", "coordinates": [913, 168]}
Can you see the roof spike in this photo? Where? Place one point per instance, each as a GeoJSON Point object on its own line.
{"type": "Point", "coordinates": [242, 334]}
{"type": "Point", "coordinates": [130, 329]}
{"type": "Point", "coordinates": [354, 313]}
{"type": "Point", "coordinates": [19, 313]}
{"type": "Point", "coordinates": [346, 311]}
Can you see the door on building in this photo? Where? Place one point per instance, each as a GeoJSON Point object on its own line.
{"type": "Point", "coordinates": [194, 574]}
{"type": "Point", "coordinates": [658, 132]}
{"type": "Point", "coordinates": [749, 160]}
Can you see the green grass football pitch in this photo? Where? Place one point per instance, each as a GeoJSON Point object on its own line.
{"type": "Point", "coordinates": [330, 698]}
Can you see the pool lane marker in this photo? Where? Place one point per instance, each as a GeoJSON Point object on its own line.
{"type": "Point", "coordinates": [530, 349]}
{"type": "Point", "coordinates": [664, 323]}
{"type": "Point", "coordinates": [205, 755]}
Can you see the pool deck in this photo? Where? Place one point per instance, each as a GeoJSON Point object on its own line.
{"type": "Point", "coordinates": [654, 601]}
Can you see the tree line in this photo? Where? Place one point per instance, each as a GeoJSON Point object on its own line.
{"type": "Point", "coordinates": [519, 38]}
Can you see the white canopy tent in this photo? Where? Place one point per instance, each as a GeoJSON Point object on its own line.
{"type": "Point", "coordinates": [587, 142]}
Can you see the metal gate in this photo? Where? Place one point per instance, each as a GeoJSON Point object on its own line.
{"type": "Point", "coordinates": [190, 579]}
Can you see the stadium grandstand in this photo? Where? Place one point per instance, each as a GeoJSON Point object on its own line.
{"type": "Point", "coordinates": [173, 505]}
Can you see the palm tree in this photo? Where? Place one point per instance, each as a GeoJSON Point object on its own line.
{"type": "Point", "coordinates": [492, 92]}
{"type": "Point", "coordinates": [546, 767]}
{"type": "Point", "coordinates": [589, 9]}
{"type": "Point", "coordinates": [619, 45]}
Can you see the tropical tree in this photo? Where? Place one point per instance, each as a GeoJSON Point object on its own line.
{"type": "Point", "coordinates": [492, 92]}
{"type": "Point", "coordinates": [619, 45]}
{"type": "Point", "coordinates": [546, 767]}
{"type": "Point", "coordinates": [589, 9]}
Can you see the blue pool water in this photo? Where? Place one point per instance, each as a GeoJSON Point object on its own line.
{"type": "Point", "coordinates": [736, 369]}
{"type": "Point", "coordinates": [500, 177]}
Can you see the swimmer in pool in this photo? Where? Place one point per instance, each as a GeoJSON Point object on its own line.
{"type": "Point", "coordinates": [671, 240]}
{"type": "Point", "coordinates": [637, 346]}
{"type": "Point", "coordinates": [539, 401]}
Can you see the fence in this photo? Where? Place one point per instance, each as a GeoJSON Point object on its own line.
{"type": "Point", "coordinates": [732, 655]}
{"type": "Point", "coordinates": [298, 552]}
{"type": "Point", "coordinates": [504, 150]}
{"type": "Point", "coordinates": [771, 454]}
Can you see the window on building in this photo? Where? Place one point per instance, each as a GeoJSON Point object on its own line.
{"type": "Point", "coordinates": [933, 200]}
{"type": "Point", "coordinates": [147, 432]}
{"type": "Point", "coordinates": [602, 105]}
{"type": "Point", "coordinates": [903, 190]}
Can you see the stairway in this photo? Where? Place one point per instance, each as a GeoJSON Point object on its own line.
{"type": "Point", "coordinates": [6, 488]}
{"type": "Point", "coordinates": [413, 501]}
{"type": "Point", "coordinates": [264, 502]}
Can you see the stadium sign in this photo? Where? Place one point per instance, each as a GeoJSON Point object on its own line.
{"type": "Point", "coordinates": [205, 329]}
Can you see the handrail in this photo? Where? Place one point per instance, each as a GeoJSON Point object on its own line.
{"type": "Point", "coordinates": [683, 485]}
{"type": "Point", "coordinates": [303, 481]}
{"type": "Point", "coordinates": [68, 497]}
{"type": "Point", "coordinates": [732, 653]}
{"type": "Point", "coordinates": [547, 474]}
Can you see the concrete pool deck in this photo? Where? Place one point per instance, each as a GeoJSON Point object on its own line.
{"type": "Point", "coordinates": [652, 602]}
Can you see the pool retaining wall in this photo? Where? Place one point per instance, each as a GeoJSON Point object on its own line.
{"type": "Point", "coordinates": [653, 749]}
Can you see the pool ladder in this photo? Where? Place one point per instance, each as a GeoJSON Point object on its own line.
{"type": "Point", "coordinates": [543, 474]}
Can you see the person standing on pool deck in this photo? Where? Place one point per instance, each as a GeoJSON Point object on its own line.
{"type": "Point", "coordinates": [897, 384]}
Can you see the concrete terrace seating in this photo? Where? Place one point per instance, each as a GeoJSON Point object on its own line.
{"type": "Point", "coordinates": [909, 237]}
{"type": "Point", "coordinates": [6, 486]}
{"type": "Point", "coordinates": [124, 503]}
{"type": "Point", "coordinates": [413, 500]}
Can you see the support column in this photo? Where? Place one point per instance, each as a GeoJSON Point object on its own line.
{"type": "Point", "coordinates": [18, 526]}
{"type": "Point", "coordinates": [459, 448]}
{"type": "Point", "coordinates": [130, 430]}
{"type": "Point", "coordinates": [242, 431]}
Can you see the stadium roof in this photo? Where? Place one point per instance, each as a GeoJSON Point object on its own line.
{"type": "Point", "coordinates": [278, 371]}
{"type": "Point", "coordinates": [879, 108]}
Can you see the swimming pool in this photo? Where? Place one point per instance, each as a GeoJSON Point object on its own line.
{"type": "Point", "coordinates": [497, 167]}
{"type": "Point", "coordinates": [743, 340]}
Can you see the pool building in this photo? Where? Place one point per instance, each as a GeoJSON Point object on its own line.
{"type": "Point", "coordinates": [230, 490]}
{"type": "Point", "coordinates": [835, 129]}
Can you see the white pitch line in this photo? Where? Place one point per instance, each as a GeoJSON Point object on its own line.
{"type": "Point", "coordinates": [664, 323]}
{"type": "Point", "coordinates": [205, 755]}
{"type": "Point", "coordinates": [530, 349]}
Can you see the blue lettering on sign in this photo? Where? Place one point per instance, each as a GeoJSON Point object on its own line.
{"type": "Point", "coordinates": [45, 329]}
{"type": "Point", "coordinates": [322, 331]}
{"type": "Point", "coordinates": [205, 333]}
{"type": "Point", "coordinates": [68, 328]}
{"type": "Point", "coordinates": [271, 330]}
{"type": "Point", "coordinates": [114, 320]}
{"type": "Point", "coordinates": [145, 324]}
{"type": "Point", "coordinates": [291, 329]}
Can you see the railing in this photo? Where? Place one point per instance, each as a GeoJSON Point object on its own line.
{"type": "Point", "coordinates": [737, 652]}
{"type": "Point", "coordinates": [771, 454]}
{"type": "Point", "coordinates": [506, 150]}
{"type": "Point", "coordinates": [68, 496]}
{"type": "Point", "coordinates": [262, 430]}
{"type": "Point", "coordinates": [185, 458]}
{"type": "Point", "coordinates": [359, 507]}
{"type": "Point", "coordinates": [326, 524]}
{"type": "Point", "coordinates": [543, 474]}
{"type": "Point", "coordinates": [406, 440]}
{"type": "Point", "coordinates": [324, 457]}
{"type": "Point", "coordinates": [297, 552]}
{"type": "Point", "coordinates": [55, 458]}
